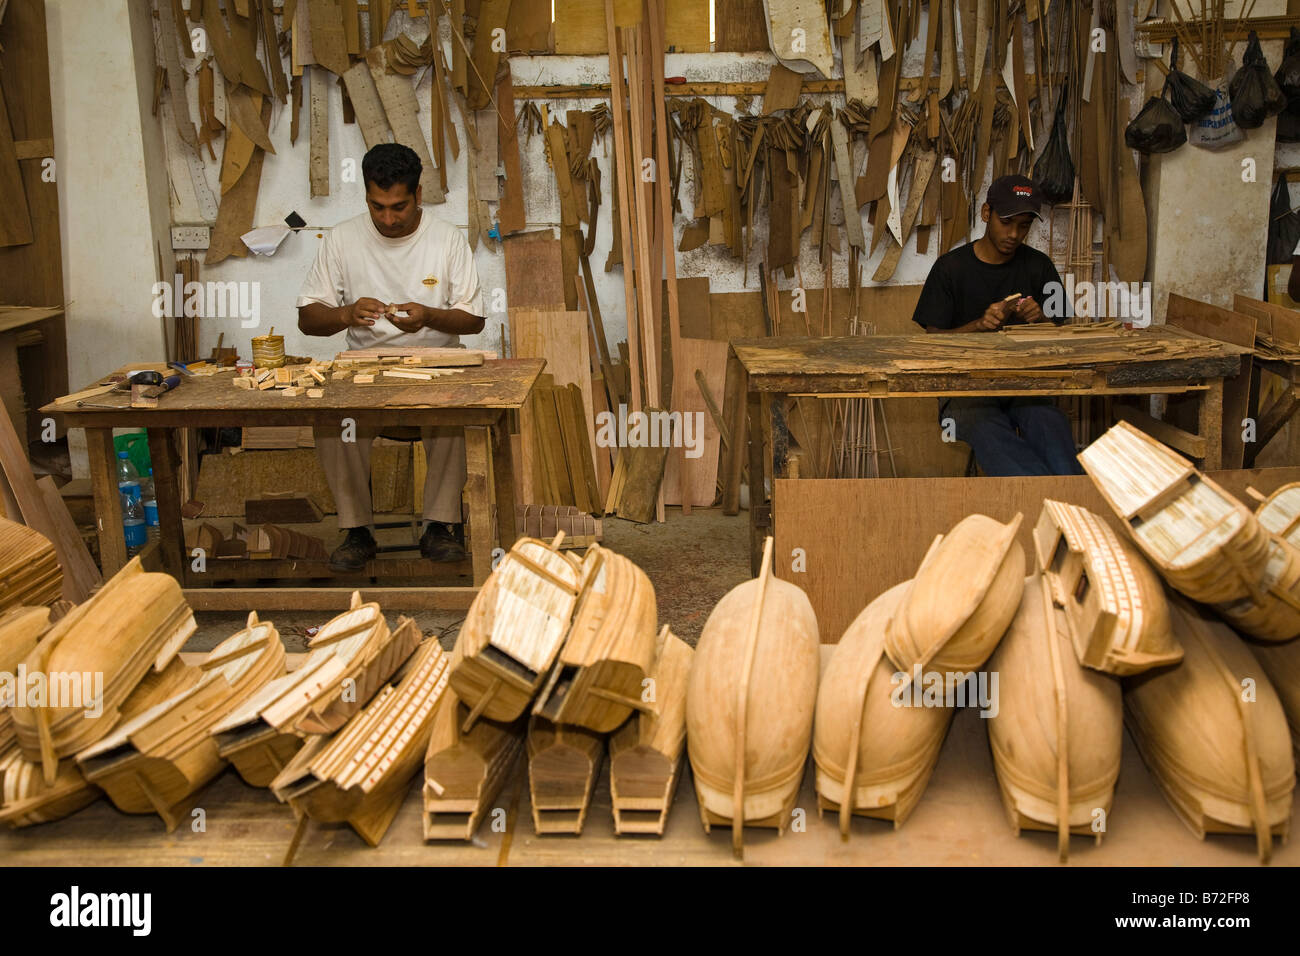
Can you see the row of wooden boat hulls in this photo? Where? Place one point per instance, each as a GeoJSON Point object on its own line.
{"type": "Point", "coordinates": [560, 658]}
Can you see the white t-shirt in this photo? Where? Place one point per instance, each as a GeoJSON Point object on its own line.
{"type": "Point", "coordinates": [433, 266]}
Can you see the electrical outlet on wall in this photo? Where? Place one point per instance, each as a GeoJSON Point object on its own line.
{"type": "Point", "coordinates": [191, 237]}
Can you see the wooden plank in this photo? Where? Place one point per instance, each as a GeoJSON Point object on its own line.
{"type": "Point", "coordinates": [480, 530]}
{"type": "Point", "coordinates": [1193, 446]}
{"type": "Point", "coordinates": [238, 207]}
{"type": "Point", "coordinates": [740, 26]}
{"type": "Point", "coordinates": [319, 160]}
{"type": "Point", "coordinates": [580, 25]}
{"type": "Point", "coordinates": [328, 599]}
{"type": "Point", "coordinates": [528, 31]}
{"type": "Point", "coordinates": [328, 38]}
{"type": "Point", "coordinates": [108, 502]}
{"type": "Point", "coordinates": [534, 271]}
{"type": "Point", "coordinates": [711, 358]}
{"type": "Point", "coordinates": [367, 105]}
{"type": "Point", "coordinates": [80, 576]}
{"type": "Point", "coordinates": [511, 211]}
{"type": "Point", "coordinates": [486, 53]}
{"type": "Point", "coordinates": [829, 519]}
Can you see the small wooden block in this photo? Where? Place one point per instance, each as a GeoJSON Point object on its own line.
{"type": "Point", "coordinates": [291, 392]}
{"type": "Point", "coordinates": [264, 374]}
{"type": "Point", "coordinates": [284, 376]}
{"type": "Point", "coordinates": [315, 393]}
{"type": "Point", "coordinates": [243, 381]}
{"type": "Point", "coordinates": [304, 381]}
{"type": "Point", "coordinates": [265, 384]}
{"type": "Point", "coordinates": [318, 375]}
{"type": "Point", "coordinates": [363, 378]}
{"type": "Point", "coordinates": [342, 375]}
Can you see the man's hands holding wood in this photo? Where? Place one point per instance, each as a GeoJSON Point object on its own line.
{"type": "Point", "coordinates": [997, 314]}
{"type": "Point", "coordinates": [317, 319]}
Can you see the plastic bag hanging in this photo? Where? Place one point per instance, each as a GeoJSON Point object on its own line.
{"type": "Point", "coordinates": [1190, 97]}
{"type": "Point", "coordinates": [1254, 93]}
{"type": "Point", "coordinates": [1287, 76]}
{"type": "Point", "coordinates": [1054, 171]}
{"type": "Point", "coordinates": [1157, 128]}
{"type": "Point", "coordinates": [1283, 225]}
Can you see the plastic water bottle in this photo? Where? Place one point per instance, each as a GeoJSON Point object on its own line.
{"type": "Point", "coordinates": [133, 525]}
{"type": "Point", "coordinates": [150, 507]}
{"type": "Point", "coordinates": [128, 479]}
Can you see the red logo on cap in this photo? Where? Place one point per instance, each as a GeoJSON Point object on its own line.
{"type": "Point", "coordinates": [1022, 190]}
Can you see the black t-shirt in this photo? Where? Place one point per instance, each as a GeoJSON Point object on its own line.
{"type": "Point", "coordinates": [960, 286]}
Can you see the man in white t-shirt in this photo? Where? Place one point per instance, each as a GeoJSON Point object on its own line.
{"type": "Point", "coordinates": [395, 255]}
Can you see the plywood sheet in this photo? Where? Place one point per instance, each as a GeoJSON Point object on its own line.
{"type": "Point", "coordinates": [861, 537]}
{"type": "Point", "coordinates": [807, 50]}
{"type": "Point", "coordinates": [739, 26]}
{"type": "Point", "coordinates": [528, 28]}
{"type": "Point", "coordinates": [329, 40]}
{"type": "Point", "coordinates": [692, 305]}
{"type": "Point", "coordinates": [366, 105]}
{"type": "Point", "coordinates": [580, 25]}
{"type": "Point", "coordinates": [398, 97]}
{"type": "Point", "coordinates": [709, 357]}
{"type": "Point", "coordinates": [534, 271]}
{"type": "Point", "coordinates": [15, 218]}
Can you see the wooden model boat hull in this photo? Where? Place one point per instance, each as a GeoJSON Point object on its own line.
{"type": "Point", "coordinates": [961, 601]}
{"type": "Point", "coordinates": [25, 798]}
{"type": "Point", "coordinates": [1203, 541]}
{"type": "Point", "coordinates": [348, 660]}
{"type": "Point", "coordinates": [896, 746]}
{"type": "Point", "coordinates": [610, 650]}
{"type": "Point", "coordinates": [1114, 603]}
{"type": "Point", "coordinates": [1045, 696]}
{"type": "Point", "coordinates": [1279, 513]}
{"type": "Point", "coordinates": [138, 621]}
{"type": "Point", "coordinates": [645, 754]}
{"type": "Point", "coordinates": [514, 629]}
{"type": "Point", "coordinates": [1272, 613]}
{"type": "Point", "coordinates": [360, 775]}
{"type": "Point", "coordinates": [1224, 763]}
{"type": "Point", "coordinates": [1281, 662]}
{"type": "Point", "coordinates": [563, 762]}
{"type": "Point", "coordinates": [758, 646]}
{"type": "Point", "coordinates": [463, 773]}
{"type": "Point", "coordinates": [159, 760]}
{"type": "Point", "coordinates": [20, 628]}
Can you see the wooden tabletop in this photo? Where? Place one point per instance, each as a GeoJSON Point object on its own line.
{"type": "Point", "coordinates": [468, 396]}
{"type": "Point", "coordinates": [1048, 360]}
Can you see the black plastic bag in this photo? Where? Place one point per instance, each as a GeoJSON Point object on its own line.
{"type": "Point", "coordinates": [1054, 171]}
{"type": "Point", "coordinates": [1288, 126]}
{"type": "Point", "coordinates": [1157, 128]}
{"type": "Point", "coordinates": [1283, 225]}
{"type": "Point", "coordinates": [1287, 76]}
{"type": "Point", "coordinates": [1190, 97]}
{"type": "Point", "coordinates": [1254, 93]}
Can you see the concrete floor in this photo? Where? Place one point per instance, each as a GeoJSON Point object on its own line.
{"type": "Point", "coordinates": [692, 561]}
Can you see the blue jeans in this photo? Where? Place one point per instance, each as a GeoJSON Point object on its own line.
{"type": "Point", "coordinates": [1014, 436]}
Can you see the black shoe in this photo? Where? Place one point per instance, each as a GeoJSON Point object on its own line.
{"type": "Point", "coordinates": [357, 548]}
{"type": "Point", "coordinates": [443, 542]}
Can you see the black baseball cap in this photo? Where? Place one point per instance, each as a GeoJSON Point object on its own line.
{"type": "Point", "coordinates": [1012, 195]}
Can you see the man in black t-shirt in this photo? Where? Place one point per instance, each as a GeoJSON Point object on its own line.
{"type": "Point", "coordinates": [980, 287]}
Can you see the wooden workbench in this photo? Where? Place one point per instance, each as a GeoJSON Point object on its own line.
{"type": "Point", "coordinates": [1014, 362]}
{"type": "Point", "coordinates": [477, 399]}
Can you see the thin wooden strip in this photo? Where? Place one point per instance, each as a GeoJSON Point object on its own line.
{"type": "Point", "coordinates": [742, 701]}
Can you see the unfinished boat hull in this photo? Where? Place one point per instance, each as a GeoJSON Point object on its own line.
{"type": "Point", "coordinates": [1047, 696]}
{"type": "Point", "coordinates": [464, 772]}
{"type": "Point", "coordinates": [759, 645]}
{"type": "Point", "coordinates": [864, 735]}
{"type": "Point", "coordinates": [1113, 602]}
{"type": "Point", "coordinates": [563, 763]}
{"type": "Point", "coordinates": [1223, 762]}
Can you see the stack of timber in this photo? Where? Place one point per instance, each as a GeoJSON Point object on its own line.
{"type": "Point", "coordinates": [29, 568]}
{"type": "Point", "coordinates": [20, 629]}
{"type": "Point", "coordinates": [1058, 730]}
{"type": "Point", "coordinates": [598, 680]}
{"type": "Point", "coordinates": [645, 754]}
{"type": "Point", "coordinates": [27, 799]}
{"type": "Point", "coordinates": [158, 762]}
{"type": "Point", "coordinates": [347, 661]}
{"type": "Point", "coordinates": [1203, 541]}
{"type": "Point", "coordinates": [411, 355]}
{"type": "Point", "coordinates": [546, 521]}
{"type": "Point", "coordinates": [464, 772]}
{"type": "Point", "coordinates": [1223, 761]}
{"type": "Point", "coordinates": [514, 630]}
{"type": "Point", "coordinates": [1114, 603]}
{"type": "Point", "coordinates": [137, 621]}
{"type": "Point", "coordinates": [267, 437]}
{"type": "Point", "coordinates": [883, 747]}
{"type": "Point", "coordinates": [759, 646]}
{"type": "Point", "coordinates": [564, 472]}
{"type": "Point", "coordinates": [361, 774]}
{"type": "Point", "coordinates": [960, 602]}
{"type": "Point", "coordinates": [563, 762]}
{"type": "Point", "coordinates": [1281, 662]}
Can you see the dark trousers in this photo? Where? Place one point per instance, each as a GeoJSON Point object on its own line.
{"type": "Point", "coordinates": [1014, 436]}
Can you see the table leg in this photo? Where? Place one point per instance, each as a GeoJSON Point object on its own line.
{"type": "Point", "coordinates": [758, 508]}
{"type": "Point", "coordinates": [108, 503]}
{"type": "Point", "coordinates": [476, 490]}
{"type": "Point", "coordinates": [733, 460]}
{"type": "Point", "coordinates": [1211, 425]}
{"type": "Point", "coordinates": [171, 530]}
{"type": "Point", "coordinates": [503, 477]}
